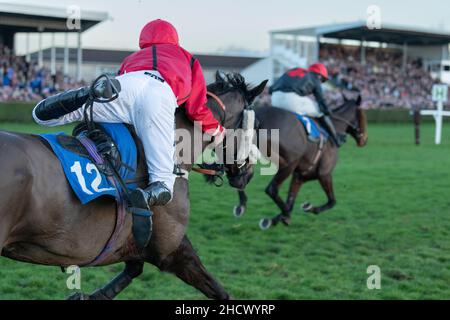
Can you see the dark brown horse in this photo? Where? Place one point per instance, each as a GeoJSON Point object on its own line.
{"type": "Point", "coordinates": [42, 221]}
{"type": "Point", "coordinates": [298, 157]}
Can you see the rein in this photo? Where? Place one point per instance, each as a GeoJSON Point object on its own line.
{"type": "Point", "coordinates": [220, 104]}
{"type": "Point", "coordinates": [181, 173]}
{"type": "Point", "coordinates": [217, 99]}
{"type": "Point", "coordinates": [348, 123]}
{"type": "Point", "coordinates": [208, 172]}
{"type": "Point", "coordinates": [353, 127]}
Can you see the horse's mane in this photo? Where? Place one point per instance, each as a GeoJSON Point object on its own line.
{"type": "Point", "coordinates": [347, 104]}
{"type": "Point", "coordinates": [228, 82]}
{"type": "Point", "coordinates": [224, 84]}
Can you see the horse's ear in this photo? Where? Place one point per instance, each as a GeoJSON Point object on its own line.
{"type": "Point", "coordinates": [252, 94]}
{"type": "Point", "coordinates": [220, 76]}
{"type": "Point", "coordinates": [359, 100]}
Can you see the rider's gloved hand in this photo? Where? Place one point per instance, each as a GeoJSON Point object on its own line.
{"type": "Point", "coordinates": [106, 88]}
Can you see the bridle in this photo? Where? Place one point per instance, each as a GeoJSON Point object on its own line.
{"type": "Point", "coordinates": [353, 127]}
{"type": "Point", "coordinates": [200, 169]}
{"type": "Point", "coordinates": [218, 100]}
{"type": "Point", "coordinates": [347, 122]}
{"type": "Point", "coordinates": [217, 172]}
{"type": "Point", "coordinates": [220, 104]}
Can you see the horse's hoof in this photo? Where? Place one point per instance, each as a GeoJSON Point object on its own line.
{"type": "Point", "coordinates": [238, 211]}
{"type": "Point", "coordinates": [286, 221]}
{"type": "Point", "coordinates": [307, 207]}
{"type": "Point", "coordinates": [78, 296]}
{"type": "Point", "coordinates": [265, 224]}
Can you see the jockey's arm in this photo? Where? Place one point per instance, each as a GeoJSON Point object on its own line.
{"type": "Point", "coordinates": [196, 108]}
{"type": "Point", "coordinates": [318, 94]}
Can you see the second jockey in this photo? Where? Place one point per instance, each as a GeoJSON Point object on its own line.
{"type": "Point", "coordinates": [154, 82]}
{"type": "Point", "coordinates": [291, 92]}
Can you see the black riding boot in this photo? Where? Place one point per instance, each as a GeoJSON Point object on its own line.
{"type": "Point", "coordinates": [156, 194]}
{"type": "Point", "coordinates": [63, 103]}
{"type": "Point", "coordinates": [326, 122]}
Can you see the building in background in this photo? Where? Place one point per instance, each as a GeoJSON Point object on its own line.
{"type": "Point", "coordinates": [393, 66]}
{"type": "Point", "coordinates": [98, 61]}
{"type": "Point", "coordinates": [301, 47]}
{"type": "Point", "coordinates": [19, 18]}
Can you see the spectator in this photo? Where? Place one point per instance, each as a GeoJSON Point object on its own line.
{"type": "Point", "coordinates": [382, 80]}
{"type": "Point", "coordinates": [24, 82]}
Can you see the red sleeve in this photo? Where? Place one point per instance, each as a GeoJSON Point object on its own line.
{"type": "Point", "coordinates": [196, 108]}
{"type": "Point", "coordinates": [121, 71]}
{"type": "Point", "coordinates": [122, 66]}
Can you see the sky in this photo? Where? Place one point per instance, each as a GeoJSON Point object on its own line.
{"type": "Point", "coordinates": [209, 26]}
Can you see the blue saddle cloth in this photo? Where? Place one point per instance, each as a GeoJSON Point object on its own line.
{"type": "Point", "coordinates": [312, 128]}
{"type": "Point", "coordinates": [84, 177]}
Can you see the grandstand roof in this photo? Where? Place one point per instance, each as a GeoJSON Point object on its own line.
{"type": "Point", "coordinates": [389, 33]}
{"type": "Point", "coordinates": [31, 18]}
{"type": "Point", "coordinates": [117, 56]}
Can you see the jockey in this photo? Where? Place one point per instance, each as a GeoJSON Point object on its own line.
{"type": "Point", "coordinates": [154, 81]}
{"type": "Point", "coordinates": [291, 93]}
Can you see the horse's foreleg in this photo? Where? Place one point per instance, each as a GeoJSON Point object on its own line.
{"type": "Point", "coordinates": [239, 210]}
{"type": "Point", "coordinates": [5, 227]}
{"type": "Point", "coordinates": [186, 265]}
{"type": "Point", "coordinates": [132, 270]}
{"type": "Point", "coordinates": [294, 189]}
{"type": "Point", "coordinates": [273, 188]}
{"type": "Point", "coordinates": [3, 236]}
{"type": "Point", "coordinates": [327, 185]}
{"type": "Point", "coordinates": [272, 191]}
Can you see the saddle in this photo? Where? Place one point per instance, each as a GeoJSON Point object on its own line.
{"type": "Point", "coordinates": [94, 143]}
{"type": "Point", "coordinates": [315, 132]}
{"type": "Point", "coordinates": [106, 147]}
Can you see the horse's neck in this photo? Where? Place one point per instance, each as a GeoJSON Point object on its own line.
{"type": "Point", "coordinates": [341, 115]}
{"type": "Point", "coordinates": [182, 122]}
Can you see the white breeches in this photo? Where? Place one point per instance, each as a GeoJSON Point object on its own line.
{"type": "Point", "coordinates": [149, 105]}
{"type": "Point", "coordinates": [293, 102]}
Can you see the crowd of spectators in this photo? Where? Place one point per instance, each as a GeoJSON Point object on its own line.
{"type": "Point", "coordinates": [383, 80]}
{"type": "Point", "coordinates": [26, 81]}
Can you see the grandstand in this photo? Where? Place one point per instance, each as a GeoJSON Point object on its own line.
{"type": "Point", "coordinates": [25, 79]}
{"type": "Point", "coordinates": [393, 66]}
{"type": "Point", "coordinates": [302, 46]}
{"type": "Point", "coordinates": [19, 18]}
{"type": "Point", "coordinates": [52, 69]}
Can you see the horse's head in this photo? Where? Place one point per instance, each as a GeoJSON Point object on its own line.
{"type": "Point", "coordinates": [239, 175]}
{"type": "Point", "coordinates": [233, 99]}
{"type": "Point", "coordinates": [351, 119]}
{"type": "Point", "coordinates": [231, 96]}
